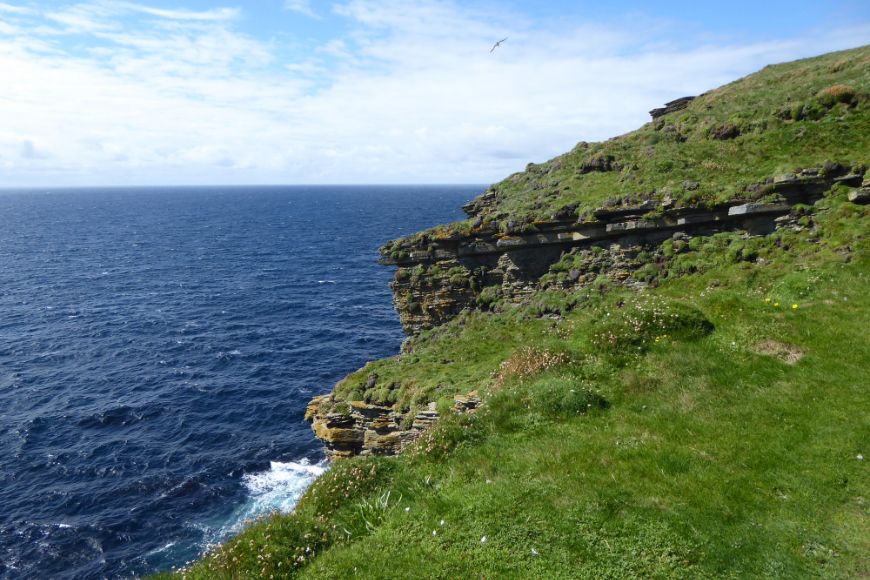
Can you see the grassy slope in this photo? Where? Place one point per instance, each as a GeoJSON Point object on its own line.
{"type": "Point", "coordinates": [709, 459]}
{"type": "Point", "coordinates": [652, 434]}
{"type": "Point", "coordinates": [657, 159]}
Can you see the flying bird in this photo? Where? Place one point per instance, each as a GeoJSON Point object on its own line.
{"type": "Point", "coordinates": [497, 44]}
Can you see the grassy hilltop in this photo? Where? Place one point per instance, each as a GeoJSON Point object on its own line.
{"type": "Point", "coordinates": [721, 147]}
{"type": "Point", "coordinates": [712, 424]}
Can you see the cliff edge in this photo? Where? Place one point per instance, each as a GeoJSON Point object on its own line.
{"type": "Point", "coordinates": [645, 358]}
{"type": "Point", "coordinates": [750, 159]}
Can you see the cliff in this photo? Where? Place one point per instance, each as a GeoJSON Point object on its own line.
{"type": "Point", "coordinates": [644, 358]}
{"type": "Point", "coordinates": [627, 246]}
{"type": "Point", "coordinates": [437, 279]}
{"type": "Point", "coordinates": [749, 159]}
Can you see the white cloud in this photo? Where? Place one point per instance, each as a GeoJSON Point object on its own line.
{"type": "Point", "coordinates": [14, 9]}
{"type": "Point", "coordinates": [216, 15]}
{"type": "Point", "coordinates": [81, 19]}
{"type": "Point", "coordinates": [301, 6]}
{"type": "Point", "coordinates": [410, 94]}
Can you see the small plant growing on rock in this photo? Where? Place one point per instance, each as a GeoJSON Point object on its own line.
{"type": "Point", "coordinates": [488, 296]}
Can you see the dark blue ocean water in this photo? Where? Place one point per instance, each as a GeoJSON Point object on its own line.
{"type": "Point", "coordinates": [157, 351]}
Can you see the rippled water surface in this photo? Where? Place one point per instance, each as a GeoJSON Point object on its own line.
{"type": "Point", "coordinates": [157, 351]}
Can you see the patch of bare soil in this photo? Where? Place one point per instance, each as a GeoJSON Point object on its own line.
{"type": "Point", "coordinates": [788, 353]}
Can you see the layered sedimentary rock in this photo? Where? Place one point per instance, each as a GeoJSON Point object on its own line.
{"type": "Point", "coordinates": [437, 278]}
{"type": "Point", "coordinates": [671, 107]}
{"type": "Point", "coordinates": [358, 428]}
{"type": "Point", "coordinates": [440, 276]}
{"type": "Point", "coordinates": [862, 195]}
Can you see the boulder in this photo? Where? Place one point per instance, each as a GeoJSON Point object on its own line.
{"type": "Point", "coordinates": [860, 196]}
{"type": "Point", "coordinates": [850, 179]}
{"type": "Point", "coordinates": [725, 132]}
{"type": "Point", "coordinates": [466, 403]}
{"type": "Point", "coordinates": [671, 107]}
{"type": "Point", "coordinates": [757, 208]}
{"type": "Point", "coordinates": [599, 163]}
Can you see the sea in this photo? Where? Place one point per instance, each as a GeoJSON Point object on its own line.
{"type": "Point", "coordinates": [158, 347]}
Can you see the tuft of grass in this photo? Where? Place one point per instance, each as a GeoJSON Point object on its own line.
{"type": "Point", "coordinates": [834, 94]}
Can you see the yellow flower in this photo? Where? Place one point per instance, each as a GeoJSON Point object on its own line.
{"type": "Point", "coordinates": [776, 304]}
{"type": "Point", "coordinates": [794, 306]}
{"type": "Point", "coordinates": [767, 299]}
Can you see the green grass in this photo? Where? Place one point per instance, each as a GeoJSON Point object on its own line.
{"type": "Point", "coordinates": [659, 433]}
{"type": "Point", "coordinates": [794, 115]}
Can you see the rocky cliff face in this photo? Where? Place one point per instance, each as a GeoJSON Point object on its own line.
{"type": "Point", "coordinates": [358, 428]}
{"type": "Point", "coordinates": [437, 278]}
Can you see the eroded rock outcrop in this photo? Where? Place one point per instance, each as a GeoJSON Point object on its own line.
{"type": "Point", "coordinates": [358, 428]}
{"type": "Point", "coordinates": [439, 277]}
{"type": "Point", "coordinates": [671, 107]}
{"type": "Point", "coordinates": [862, 195]}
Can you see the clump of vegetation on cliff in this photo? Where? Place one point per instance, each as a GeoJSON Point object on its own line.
{"type": "Point", "coordinates": [712, 424]}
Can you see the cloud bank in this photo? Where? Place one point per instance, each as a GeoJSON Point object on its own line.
{"type": "Point", "coordinates": [403, 91]}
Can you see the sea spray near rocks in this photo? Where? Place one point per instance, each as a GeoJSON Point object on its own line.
{"type": "Point", "coordinates": [275, 490]}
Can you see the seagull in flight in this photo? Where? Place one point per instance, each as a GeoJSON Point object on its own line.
{"type": "Point", "coordinates": [497, 44]}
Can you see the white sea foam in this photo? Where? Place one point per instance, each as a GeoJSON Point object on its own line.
{"type": "Point", "coordinates": [161, 548]}
{"type": "Point", "coordinates": [277, 489]}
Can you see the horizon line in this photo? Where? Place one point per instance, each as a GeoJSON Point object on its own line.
{"type": "Point", "coordinates": [67, 187]}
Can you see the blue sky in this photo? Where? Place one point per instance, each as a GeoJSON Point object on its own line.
{"type": "Point", "coordinates": [99, 92]}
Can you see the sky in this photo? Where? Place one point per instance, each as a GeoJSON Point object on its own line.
{"type": "Point", "coordinates": [152, 92]}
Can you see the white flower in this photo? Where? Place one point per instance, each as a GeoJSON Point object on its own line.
{"type": "Point", "coordinates": [408, 508]}
{"type": "Point", "coordinates": [534, 552]}
{"type": "Point", "coordinates": [441, 523]}
{"type": "Point", "coordinates": [483, 540]}
{"type": "Point", "coordinates": [488, 481]}
{"type": "Point", "coordinates": [434, 533]}
{"type": "Point", "coordinates": [859, 457]}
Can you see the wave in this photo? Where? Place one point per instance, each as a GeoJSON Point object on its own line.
{"type": "Point", "coordinates": [275, 490]}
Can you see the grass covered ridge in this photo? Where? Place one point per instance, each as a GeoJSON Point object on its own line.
{"type": "Point", "coordinates": [708, 427]}
{"type": "Point", "coordinates": [722, 147]}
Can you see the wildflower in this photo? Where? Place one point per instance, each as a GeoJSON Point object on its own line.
{"type": "Point", "coordinates": [483, 540]}
{"type": "Point", "coordinates": [434, 533]}
{"type": "Point", "coordinates": [794, 306]}
{"type": "Point", "coordinates": [407, 509]}
{"type": "Point", "coordinates": [767, 300]}
{"type": "Point", "coordinates": [776, 304]}
{"type": "Point", "coordinates": [534, 552]}
{"type": "Point", "coordinates": [859, 457]}
{"type": "Point", "coordinates": [441, 523]}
